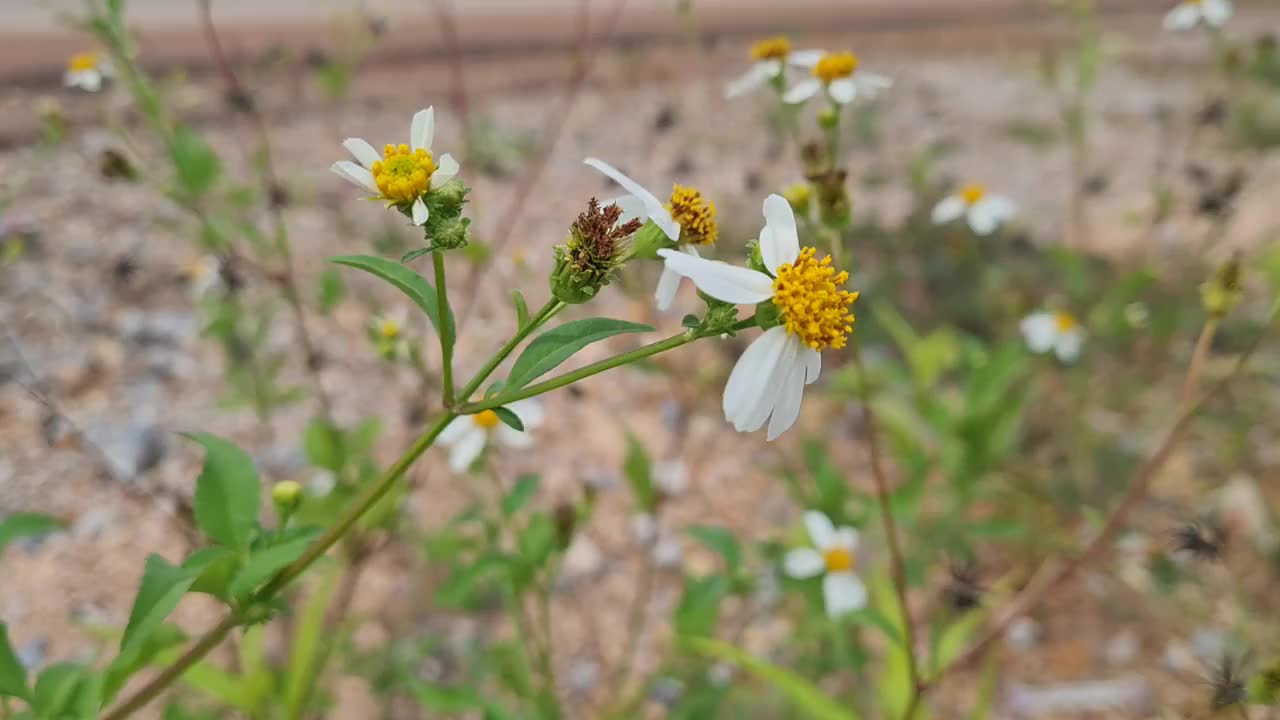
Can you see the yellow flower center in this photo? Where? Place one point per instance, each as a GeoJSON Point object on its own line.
{"type": "Point", "coordinates": [813, 307]}
{"type": "Point", "coordinates": [838, 560]}
{"type": "Point", "coordinates": [696, 216]}
{"type": "Point", "coordinates": [1065, 321]}
{"type": "Point", "coordinates": [774, 48]}
{"type": "Point", "coordinates": [834, 66]}
{"type": "Point", "coordinates": [389, 328]}
{"type": "Point", "coordinates": [972, 193]}
{"type": "Point", "coordinates": [83, 61]}
{"type": "Point", "coordinates": [403, 175]}
{"type": "Point", "coordinates": [486, 419]}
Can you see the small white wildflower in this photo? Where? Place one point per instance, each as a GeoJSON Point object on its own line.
{"type": "Point", "coordinates": [1056, 331]}
{"type": "Point", "coordinates": [842, 591]}
{"type": "Point", "coordinates": [771, 57]}
{"type": "Point", "coordinates": [983, 211]}
{"type": "Point", "coordinates": [87, 71]}
{"type": "Point", "coordinates": [468, 435]}
{"type": "Point", "coordinates": [1190, 13]}
{"type": "Point", "coordinates": [839, 75]}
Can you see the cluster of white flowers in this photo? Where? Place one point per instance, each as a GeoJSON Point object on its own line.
{"type": "Point", "coordinates": [838, 74]}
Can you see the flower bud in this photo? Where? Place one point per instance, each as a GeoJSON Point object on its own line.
{"type": "Point", "coordinates": [287, 496]}
{"type": "Point", "coordinates": [648, 240]}
{"type": "Point", "coordinates": [828, 119]}
{"type": "Point", "coordinates": [595, 249]}
{"type": "Point", "coordinates": [1222, 293]}
{"type": "Point", "coordinates": [799, 197]}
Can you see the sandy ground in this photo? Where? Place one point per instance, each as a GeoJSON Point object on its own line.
{"type": "Point", "coordinates": [125, 363]}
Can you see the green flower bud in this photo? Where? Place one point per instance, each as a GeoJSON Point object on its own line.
{"type": "Point", "coordinates": [648, 240]}
{"type": "Point", "coordinates": [799, 196]}
{"type": "Point", "coordinates": [828, 119]}
{"type": "Point", "coordinates": [1223, 292]}
{"type": "Point", "coordinates": [287, 496]}
{"type": "Point", "coordinates": [596, 248]}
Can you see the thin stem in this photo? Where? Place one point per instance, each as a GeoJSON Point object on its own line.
{"type": "Point", "coordinates": [210, 640]}
{"type": "Point", "coordinates": [897, 565]}
{"type": "Point", "coordinates": [1198, 357]}
{"type": "Point", "coordinates": [1045, 582]}
{"type": "Point", "coordinates": [547, 312]}
{"type": "Point", "coordinates": [447, 332]}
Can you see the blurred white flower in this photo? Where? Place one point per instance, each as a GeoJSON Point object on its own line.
{"type": "Point", "coordinates": [687, 220]}
{"type": "Point", "coordinates": [1056, 331]}
{"type": "Point", "coordinates": [771, 57]}
{"type": "Point", "coordinates": [388, 332]}
{"type": "Point", "coordinates": [1190, 13]}
{"type": "Point", "coordinates": [468, 435]}
{"type": "Point", "coordinates": [842, 591]}
{"type": "Point", "coordinates": [87, 71]}
{"type": "Point", "coordinates": [402, 174]}
{"type": "Point", "coordinates": [983, 211]}
{"type": "Point", "coordinates": [204, 275]}
{"type": "Point", "coordinates": [767, 383]}
{"type": "Point", "coordinates": [838, 73]}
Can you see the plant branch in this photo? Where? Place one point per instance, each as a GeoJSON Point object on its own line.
{"type": "Point", "coordinates": [547, 312]}
{"type": "Point", "coordinates": [447, 332]}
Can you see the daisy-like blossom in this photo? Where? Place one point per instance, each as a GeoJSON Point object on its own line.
{"type": "Point", "coordinates": [204, 275]}
{"type": "Point", "coordinates": [468, 435]}
{"type": "Point", "coordinates": [832, 557]}
{"type": "Point", "coordinates": [982, 210]}
{"type": "Point", "coordinates": [387, 330]}
{"type": "Point", "coordinates": [1190, 13]}
{"type": "Point", "coordinates": [839, 75]}
{"type": "Point", "coordinates": [687, 219]}
{"type": "Point", "coordinates": [1056, 331]}
{"type": "Point", "coordinates": [767, 383]}
{"type": "Point", "coordinates": [401, 175]}
{"type": "Point", "coordinates": [87, 71]}
{"type": "Point", "coordinates": [770, 57]}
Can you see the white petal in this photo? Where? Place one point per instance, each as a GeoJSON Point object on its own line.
{"type": "Point", "coordinates": [752, 418]}
{"type": "Point", "coordinates": [821, 531]}
{"type": "Point", "coordinates": [843, 91]}
{"type": "Point", "coordinates": [802, 91]}
{"type": "Point", "coordinates": [988, 214]}
{"type": "Point", "coordinates": [513, 438]}
{"type": "Point", "coordinates": [803, 563]}
{"type": "Point", "coordinates": [751, 372]}
{"type": "Point", "coordinates": [420, 212]}
{"type": "Point", "coordinates": [423, 129]}
{"type": "Point", "coordinates": [1040, 330]}
{"type": "Point", "coordinates": [654, 209]}
{"type": "Point", "coordinates": [633, 208]}
{"type": "Point", "coordinates": [870, 84]}
{"type": "Point", "coordinates": [843, 593]}
{"type": "Point", "coordinates": [790, 395]}
{"type": "Point", "coordinates": [455, 430]}
{"type": "Point", "coordinates": [949, 209]}
{"type": "Point", "coordinates": [1069, 344]}
{"type": "Point", "coordinates": [356, 175]}
{"type": "Point", "coordinates": [467, 448]}
{"type": "Point", "coordinates": [1184, 17]}
{"type": "Point", "coordinates": [759, 74]}
{"type": "Point", "coordinates": [813, 364]}
{"type": "Point", "coordinates": [446, 170]}
{"type": "Point", "coordinates": [90, 80]}
{"type": "Point", "coordinates": [362, 151]}
{"type": "Point", "coordinates": [845, 537]}
{"type": "Point", "coordinates": [1216, 12]}
{"type": "Point", "coordinates": [668, 285]}
{"type": "Point", "coordinates": [779, 242]}
{"type": "Point", "coordinates": [529, 411]}
{"type": "Point", "coordinates": [805, 58]}
{"type": "Point", "coordinates": [729, 283]}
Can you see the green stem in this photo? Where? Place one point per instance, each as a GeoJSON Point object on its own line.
{"type": "Point", "coordinates": [547, 312]}
{"type": "Point", "coordinates": [214, 637]}
{"type": "Point", "coordinates": [447, 332]}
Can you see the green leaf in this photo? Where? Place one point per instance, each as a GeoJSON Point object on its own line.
{"type": "Point", "coordinates": [525, 488]}
{"type": "Point", "coordinates": [699, 608]}
{"type": "Point", "coordinates": [467, 581]}
{"type": "Point", "coordinates": [895, 675]}
{"type": "Point", "coordinates": [214, 567]}
{"type": "Point", "coordinates": [804, 695]}
{"type": "Point", "coordinates": [163, 585]}
{"type": "Point", "coordinates": [509, 418]}
{"type": "Point", "coordinates": [954, 638]}
{"type": "Point", "coordinates": [197, 164]}
{"type": "Point", "coordinates": [537, 540]}
{"type": "Point", "coordinates": [13, 677]}
{"type": "Point", "coordinates": [559, 344]}
{"type": "Point", "coordinates": [522, 309]}
{"type": "Point", "coordinates": [405, 280]}
{"type": "Point", "coordinates": [723, 542]}
{"type": "Point", "coordinates": [308, 641]}
{"type": "Point", "coordinates": [67, 690]}
{"type": "Point", "coordinates": [444, 699]}
{"type": "Point", "coordinates": [331, 289]}
{"type": "Point", "coordinates": [227, 492]}
{"type": "Point", "coordinates": [20, 525]}
{"type": "Point", "coordinates": [639, 473]}
{"type": "Point", "coordinates": [322, 444]}
{"type": "Point", "coordinates": [264, 564]}
{"type": "Point", "coordinates": [126, 664]}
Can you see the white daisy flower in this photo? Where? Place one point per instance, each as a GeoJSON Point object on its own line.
{"type": "Point", "coordinates": [204, 275]}
{"type": "Point", "coordinates": [468, 435]}
{"type": "Point", "coordinates": [983, 211]}
{"type": "Point", "coordinates": [402, 174]}
{"type": "Point", "coordinates": [1056, 331]}
{"type": "Point", "coordinates": [1190, 13]}
{"type": "Point", "coordinates": [688, 220]}
{"type": "Point", "coordinates": [768, 381]}
{"type": "Point", "coordinates": [839, 75]}
{"type": "Point", "coordinates": [388, 332]}
{"type": "Point", "coordinates": [842, 591]}
{"type": "Point", "coordinates": [771, 57]}
{"type": "Point", "coordinates": [87, 71]}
